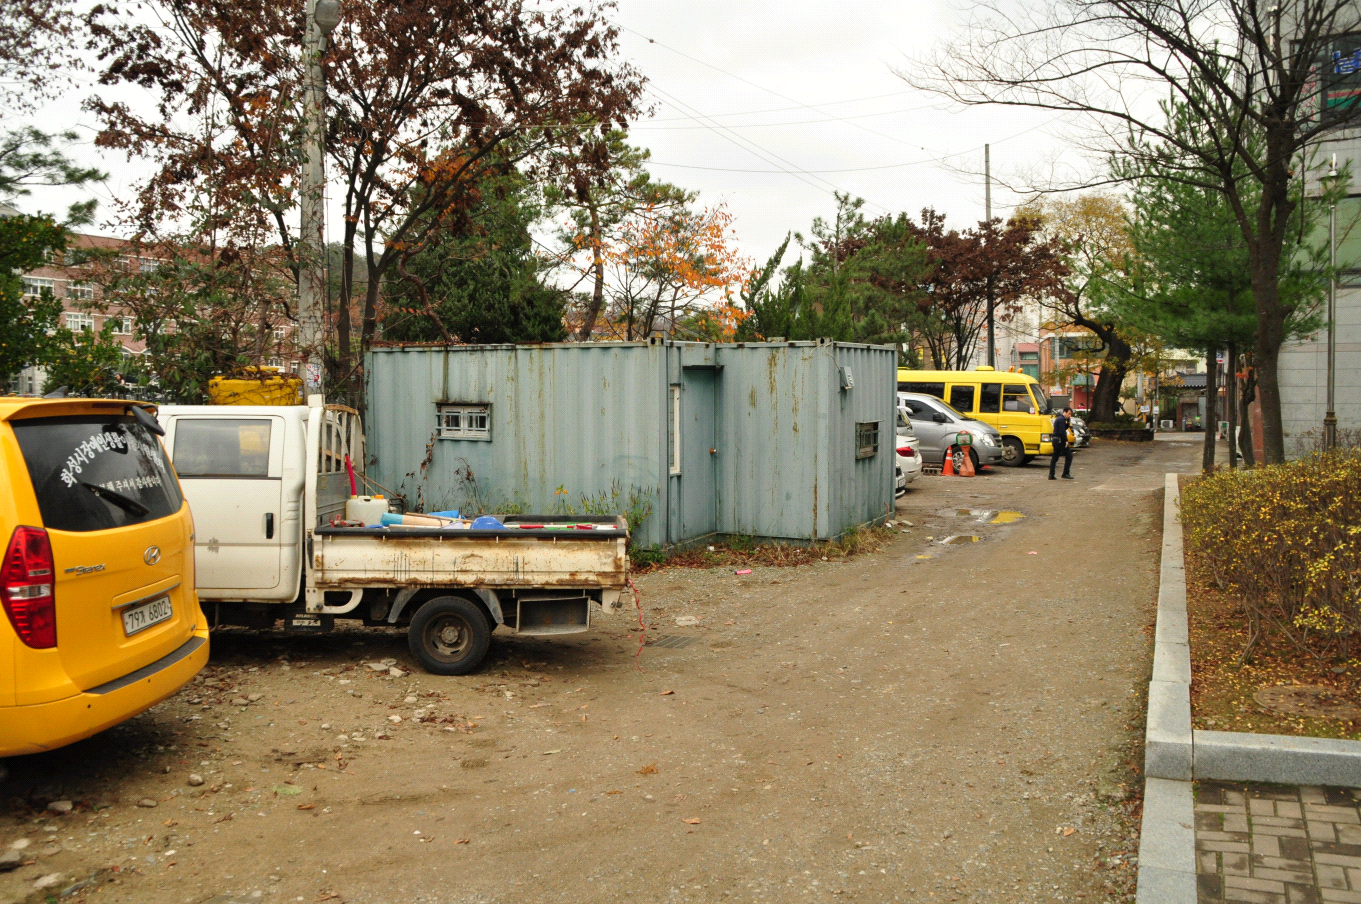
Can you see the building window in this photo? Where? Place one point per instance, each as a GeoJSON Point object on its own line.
{"type": "Point", "coordinates": [34, 285]}
{"type": "Point", "coordinates": [77, 322]}
{"type": "Point", "coordinates": [148, 266]}
{"type": "Point", "coordinates": [866, 439]}
{"type": "Point", "coordinates": [463, 421]}
{"type": "Point", "coordinates": [78, 291]}
{"type": "Point", "coordinates": [122, 326]}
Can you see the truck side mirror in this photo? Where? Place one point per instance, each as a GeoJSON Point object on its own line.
{"type": "Point", "coordinates": [940, 418]}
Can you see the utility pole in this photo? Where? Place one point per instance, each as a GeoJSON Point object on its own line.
{"type": "Point", "coordinates": [987, 214]}
{"type": "Point", "coordinates": [322, 18]}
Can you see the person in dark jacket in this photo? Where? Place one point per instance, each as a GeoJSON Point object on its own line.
{"type": "Point", "coordinates": [1061, 446]}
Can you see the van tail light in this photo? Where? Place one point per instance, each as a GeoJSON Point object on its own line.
{"type": "Point", "coordinates": [906, 451]}
{"type": "Point", "coordinates": [26, 587]}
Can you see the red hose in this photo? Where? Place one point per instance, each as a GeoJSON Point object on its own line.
{"type": "Point", "coordinates": [349, 469]}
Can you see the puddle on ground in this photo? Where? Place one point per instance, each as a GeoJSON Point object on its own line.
{"type": "Point", "coordinates": [983, 516]}
{"type": "Point", "coordinates": [959, 539]}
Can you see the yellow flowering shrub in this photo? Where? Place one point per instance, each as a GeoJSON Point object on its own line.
{"type": "Point", "coordinates": [1286, 540]}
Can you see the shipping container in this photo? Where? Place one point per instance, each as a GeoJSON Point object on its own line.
{"type": "Point", "coordinates": [779, 440]}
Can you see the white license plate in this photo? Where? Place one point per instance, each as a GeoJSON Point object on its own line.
{"type": "Point", "coordinates": [143, 617]}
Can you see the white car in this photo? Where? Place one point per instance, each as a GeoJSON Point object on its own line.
{"type": "Point", "coordinates": [909, 456]}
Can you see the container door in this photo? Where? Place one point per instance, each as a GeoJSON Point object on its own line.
{"type": "Point", "coordinates": [231, 469]}
{"type": "Point", "coordinates": [699, 466]}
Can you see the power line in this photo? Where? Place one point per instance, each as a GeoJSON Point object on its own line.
{"type": "Point", "coordinates": [858, 169]}
{"type": "Point", "coordinates": [767, 125]}
{"type": "Point", "coordinates": [752, 147]}
{"type": "Point", "coordinates": [801, 106]}
{"type": "Point", "coordinates": [739, 78]}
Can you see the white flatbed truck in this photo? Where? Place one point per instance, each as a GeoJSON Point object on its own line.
{"type": "Point", "coordinates": [265, 485]}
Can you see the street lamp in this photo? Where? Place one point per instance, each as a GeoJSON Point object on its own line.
{"type": "Point", "coordinates": [1330, 416]}
{"type": "Point", "coordinates": [322, 18]}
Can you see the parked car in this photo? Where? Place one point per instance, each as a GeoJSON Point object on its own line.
{"type": "Point", "coordinates": [936, 425]}
{"type": "Point", "coordinates": [101, 618]}
{"type": "Point", "coordinates": [909, 455]}
{"type": "Point", "coordinates": [1082, 436]}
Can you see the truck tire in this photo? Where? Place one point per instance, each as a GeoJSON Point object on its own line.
{"type": "Point", "coordinates": [449, 635]}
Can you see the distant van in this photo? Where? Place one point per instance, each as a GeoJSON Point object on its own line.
{"type": "Point", "coordinates": [1014, 403]}
{"type": "Point", "coordinates": [101, 619]}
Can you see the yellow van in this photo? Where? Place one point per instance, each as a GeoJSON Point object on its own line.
{"type": "Point", "coordinates": [1014, 403]}
{"type": "Point", "coordinates": [101, 619]}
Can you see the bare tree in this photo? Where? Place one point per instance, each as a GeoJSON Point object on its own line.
{"type": "Point", "coordinates": [1260, 76]}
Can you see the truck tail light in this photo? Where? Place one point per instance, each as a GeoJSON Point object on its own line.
{"type": "Point", "coordinates": [26, 587]}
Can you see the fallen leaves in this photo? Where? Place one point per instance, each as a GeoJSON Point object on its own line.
{"type": "Point", "coordinates": [691, 821]}
{"type": "Point", "coordinates": [650, 769]}
{"type": "Point", "coordinates": [307, 806]}
{"type": "Point", "coordinates": [462, 840]}
{"type": "Point", "coordinates": [666, 693]}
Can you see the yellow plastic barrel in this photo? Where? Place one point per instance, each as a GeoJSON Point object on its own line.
{"type": "Point", "coordinates": [267, 386]}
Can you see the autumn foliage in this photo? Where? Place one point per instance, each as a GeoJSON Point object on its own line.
{"type": "Point", "coordinates": [673, 268]}
{"type": "Point", "coordinates": [1286, 541]}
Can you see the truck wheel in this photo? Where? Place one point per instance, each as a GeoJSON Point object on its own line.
{"type": "Point", "coordinates": [1013, 452]}
{"type": "Point", "coordinates": [449, 635]}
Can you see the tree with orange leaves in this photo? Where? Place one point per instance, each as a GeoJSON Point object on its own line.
{"type": "Point", "coordinates": [667, 265]}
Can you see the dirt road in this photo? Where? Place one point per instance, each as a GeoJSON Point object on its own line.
{"type": "Point", "coordinates": [928, 722]}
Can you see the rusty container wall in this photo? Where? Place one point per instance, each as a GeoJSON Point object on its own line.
{"type": "Point", "coordinates": [769, 429]}
{"type": "Point", "coordinates": [862, 488]}
{"type": "Point", "coordinates": [787, 430]}
{"type": "Point", "coordinates": [778, 456]}
{"type": "Point", "coordinates": [567, 421]}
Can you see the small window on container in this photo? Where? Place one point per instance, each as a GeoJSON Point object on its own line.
{"type": "Point", "coordinates": [866, 439]}
{"type": "Point", "coordinates": [463, 421]}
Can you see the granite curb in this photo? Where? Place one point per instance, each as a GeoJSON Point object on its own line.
{"type": "Point", "coordinates": [1173, 750]}
{"type": "Point", "coordinates": [1175, 755]}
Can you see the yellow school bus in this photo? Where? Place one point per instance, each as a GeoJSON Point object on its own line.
{"type": "Point", "coordinates": [1014, 403]}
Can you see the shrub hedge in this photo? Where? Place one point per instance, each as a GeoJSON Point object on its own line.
{"type": "Point", "coordinates": [1286, 540]}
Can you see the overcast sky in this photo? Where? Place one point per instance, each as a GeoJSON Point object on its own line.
{"type": "Point", "coordinates": [770, 107]}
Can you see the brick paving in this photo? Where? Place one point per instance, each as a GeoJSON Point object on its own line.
{"type": "Point", "coordinates": [1277, 844]}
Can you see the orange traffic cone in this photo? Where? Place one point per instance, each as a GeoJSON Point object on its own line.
{"type": "Point", "coordinates": [966, 465]}
{"type": "Point", "coordinates": [949, 468]}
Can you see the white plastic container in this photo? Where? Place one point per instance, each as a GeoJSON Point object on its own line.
{"type": "Point", "coordinates": [368, 509]}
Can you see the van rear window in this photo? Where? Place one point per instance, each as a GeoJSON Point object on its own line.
{"type": "Point", "coordinates": [96, 472]}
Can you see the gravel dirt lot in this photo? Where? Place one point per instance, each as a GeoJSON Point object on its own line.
{"type": "Point", "coordinates": [927, 722]}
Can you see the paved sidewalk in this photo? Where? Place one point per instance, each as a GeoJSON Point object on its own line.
{"type": "Point", "coordinates": [1277, 844]}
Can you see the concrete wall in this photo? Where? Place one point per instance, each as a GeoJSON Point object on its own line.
{"type": "Point", "coordinates": [1303, 376]}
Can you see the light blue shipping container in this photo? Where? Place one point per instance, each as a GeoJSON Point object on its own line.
{"type": "Point", "coordinates": [787, 441]}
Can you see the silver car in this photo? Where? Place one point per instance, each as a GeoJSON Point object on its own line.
{"type": "Point", "coordinates": [937, 424]}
